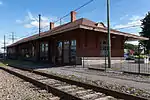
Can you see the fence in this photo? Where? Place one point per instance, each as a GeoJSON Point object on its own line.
{"type": "Point", "coordinates": [134, 64]}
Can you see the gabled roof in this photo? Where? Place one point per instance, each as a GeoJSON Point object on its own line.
{"type": "Point", "coordinates": [80, 23]}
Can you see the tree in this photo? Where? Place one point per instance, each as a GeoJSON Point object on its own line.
{"type": "Point", "coordinates": [146, 31]}
{"type": "Point", "coordinates": [130, 46]}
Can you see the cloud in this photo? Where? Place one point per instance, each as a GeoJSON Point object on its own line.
{"type": "Point", "coordinates": [30, 21]}
{"type": "Point", "coordinates": [28, 26]}
{"type": "Point", "coordinates": [136, 18]}
{"type": "Point", "coordinates": [1, 3]}
{"type": "Point", "coordinates": [123, 17]}
{"type": "Point", "coordinates": [19, 21]}
{"type": "Point", "coordinates": [30, 16]}
{"type": "Point", "coordinates": [133, 22]}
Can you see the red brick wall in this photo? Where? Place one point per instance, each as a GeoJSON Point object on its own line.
{"type": "Point", "coordinates": [88, 44]}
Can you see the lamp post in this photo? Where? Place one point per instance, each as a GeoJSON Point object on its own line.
{"type": "Point", "coordinates": [108, 30]}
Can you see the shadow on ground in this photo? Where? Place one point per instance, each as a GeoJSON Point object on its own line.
{"type": "Point", "coordinates": [27, 64]}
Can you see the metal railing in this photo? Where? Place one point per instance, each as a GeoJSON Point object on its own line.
{"type": "Point", "coordinates": [135, 64]}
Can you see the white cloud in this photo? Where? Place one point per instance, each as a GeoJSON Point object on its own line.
{"type": "Point", "coordinates": [30, 21]}
{"type": "Point", "coordinates": [133, 22]}
{"type": "Point", "coordinates": [128, 25]}
{"type": "Point", "coordinates": [1, 3]}
{"type": "Point", "coordinates": [136, 18]}
{"type": "Point", "coordinates": [28, 26]}
{"type": "Point", "coordinates": [123, 17]}
{"type": "Point", "coordinates": [19, 21]}
{"type": "Point", "coordinates": [30, 16]}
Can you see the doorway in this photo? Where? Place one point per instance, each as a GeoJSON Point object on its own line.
{"type": "Point", "coordinates": [66, 52]}
{"type": "Point", "coordinates": [103, 48]}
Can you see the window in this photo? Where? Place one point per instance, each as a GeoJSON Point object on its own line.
{"type": "Point", "coordinates": [43, 47]}
{"type": "Point", "coordinates": [46, 47]}
{"type": "Point", "coordinates": [73, 50]}
{"type": "Point", "coordinates": [44, 51]}
{"type": "Point", "coordinates": [33, 51]}
{"type": "Point", "coordinates": [25, 52]}
{"type": "Point", "coordinates": [59, 51]}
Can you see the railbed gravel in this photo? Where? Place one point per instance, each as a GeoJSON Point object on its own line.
{"type": "Point", "coordinates": [86, 94]}
{"type": "Point", "coordinates": [14, 88]}
{"type": "Point", "coordinates": [115, 87]}
{"type": "Point", "coordinates": [115, 74]}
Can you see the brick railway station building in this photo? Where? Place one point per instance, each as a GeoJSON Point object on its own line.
{"type": "Point", "coordinates": [68, 43]}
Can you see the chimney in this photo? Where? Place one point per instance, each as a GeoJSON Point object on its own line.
{"type": "Point", "coordinates": [73, 16]}
{"type": "Point", "coordinates": [51, 25]}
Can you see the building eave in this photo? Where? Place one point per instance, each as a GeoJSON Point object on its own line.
{"type": "Point", "coordinates": [104, 30]}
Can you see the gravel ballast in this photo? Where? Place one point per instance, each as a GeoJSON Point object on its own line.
{"type": "Point", "coordinates": [14, 88]}
{"type": "Point", "coordinates": [98, 82]}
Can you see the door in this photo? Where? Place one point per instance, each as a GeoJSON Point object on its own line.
{"type": "Point", "coordinates": [59, 52]}
{"type": "Point", "coordinates": [66, 52]}
{"type": "Point", "coordinates": [103, 50]}
{"type": "Point", "coordinates": [73, 52]}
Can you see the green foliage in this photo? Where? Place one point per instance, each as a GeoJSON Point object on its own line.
{"type": "Point", "coordinates": [140, 56]}
{"type": "Point", "coordinates": [146, 31]}
{"type": "Point", "coordinates": [131, 47]}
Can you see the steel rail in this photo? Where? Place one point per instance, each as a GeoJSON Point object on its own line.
{"type": "Point", "coordinates": [113, 93]}
{"type": "Point", "coordinates": [63, 95]}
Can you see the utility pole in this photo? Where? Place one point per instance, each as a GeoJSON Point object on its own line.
{"type": "Point", "coordinates": [12, 37]}
{"type": "Point", "coordinates": [108, 29]}
{"type": "Point", "coordinates": [39, 36]}
{"type": "Point", "coordinates": [39, 24]}
{"type": "Point", "coordinates": [4, 46]}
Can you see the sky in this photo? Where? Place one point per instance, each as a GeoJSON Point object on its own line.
{"type": "Point", "coordinates": [21, 16]}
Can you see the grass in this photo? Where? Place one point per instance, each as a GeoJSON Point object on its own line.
{"type": "Point", "coordinates": [2, 64]}
{"type": "Point", "coordinates": [21, 63]}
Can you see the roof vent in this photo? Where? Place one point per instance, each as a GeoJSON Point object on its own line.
{"type": "Point", "coordinates": [100, 24]}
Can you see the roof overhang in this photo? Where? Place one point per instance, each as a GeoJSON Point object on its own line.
{"type": "Point", "coordinates": [61, 31]}
{"type": "Point", "coordinates": [130, 37]}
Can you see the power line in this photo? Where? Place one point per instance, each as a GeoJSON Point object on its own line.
{"type": "Point", "coordinates": [60, 19]}
{"type": "Point", "coordinates": [33, 31]}
{"type": "Point", "coordinates": [12, 37]}
{"type": "Point", "coordinates": [83, 5]}
{"type": "Point", "coordinates": [75, 10]}
{"type": "Point", "coordinates": [28, 34]}
{"type": "Point", "coordinates": [128, 27]}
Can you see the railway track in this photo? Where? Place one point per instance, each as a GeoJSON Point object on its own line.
{"type": "Point", "coordinates": [68, 89]}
